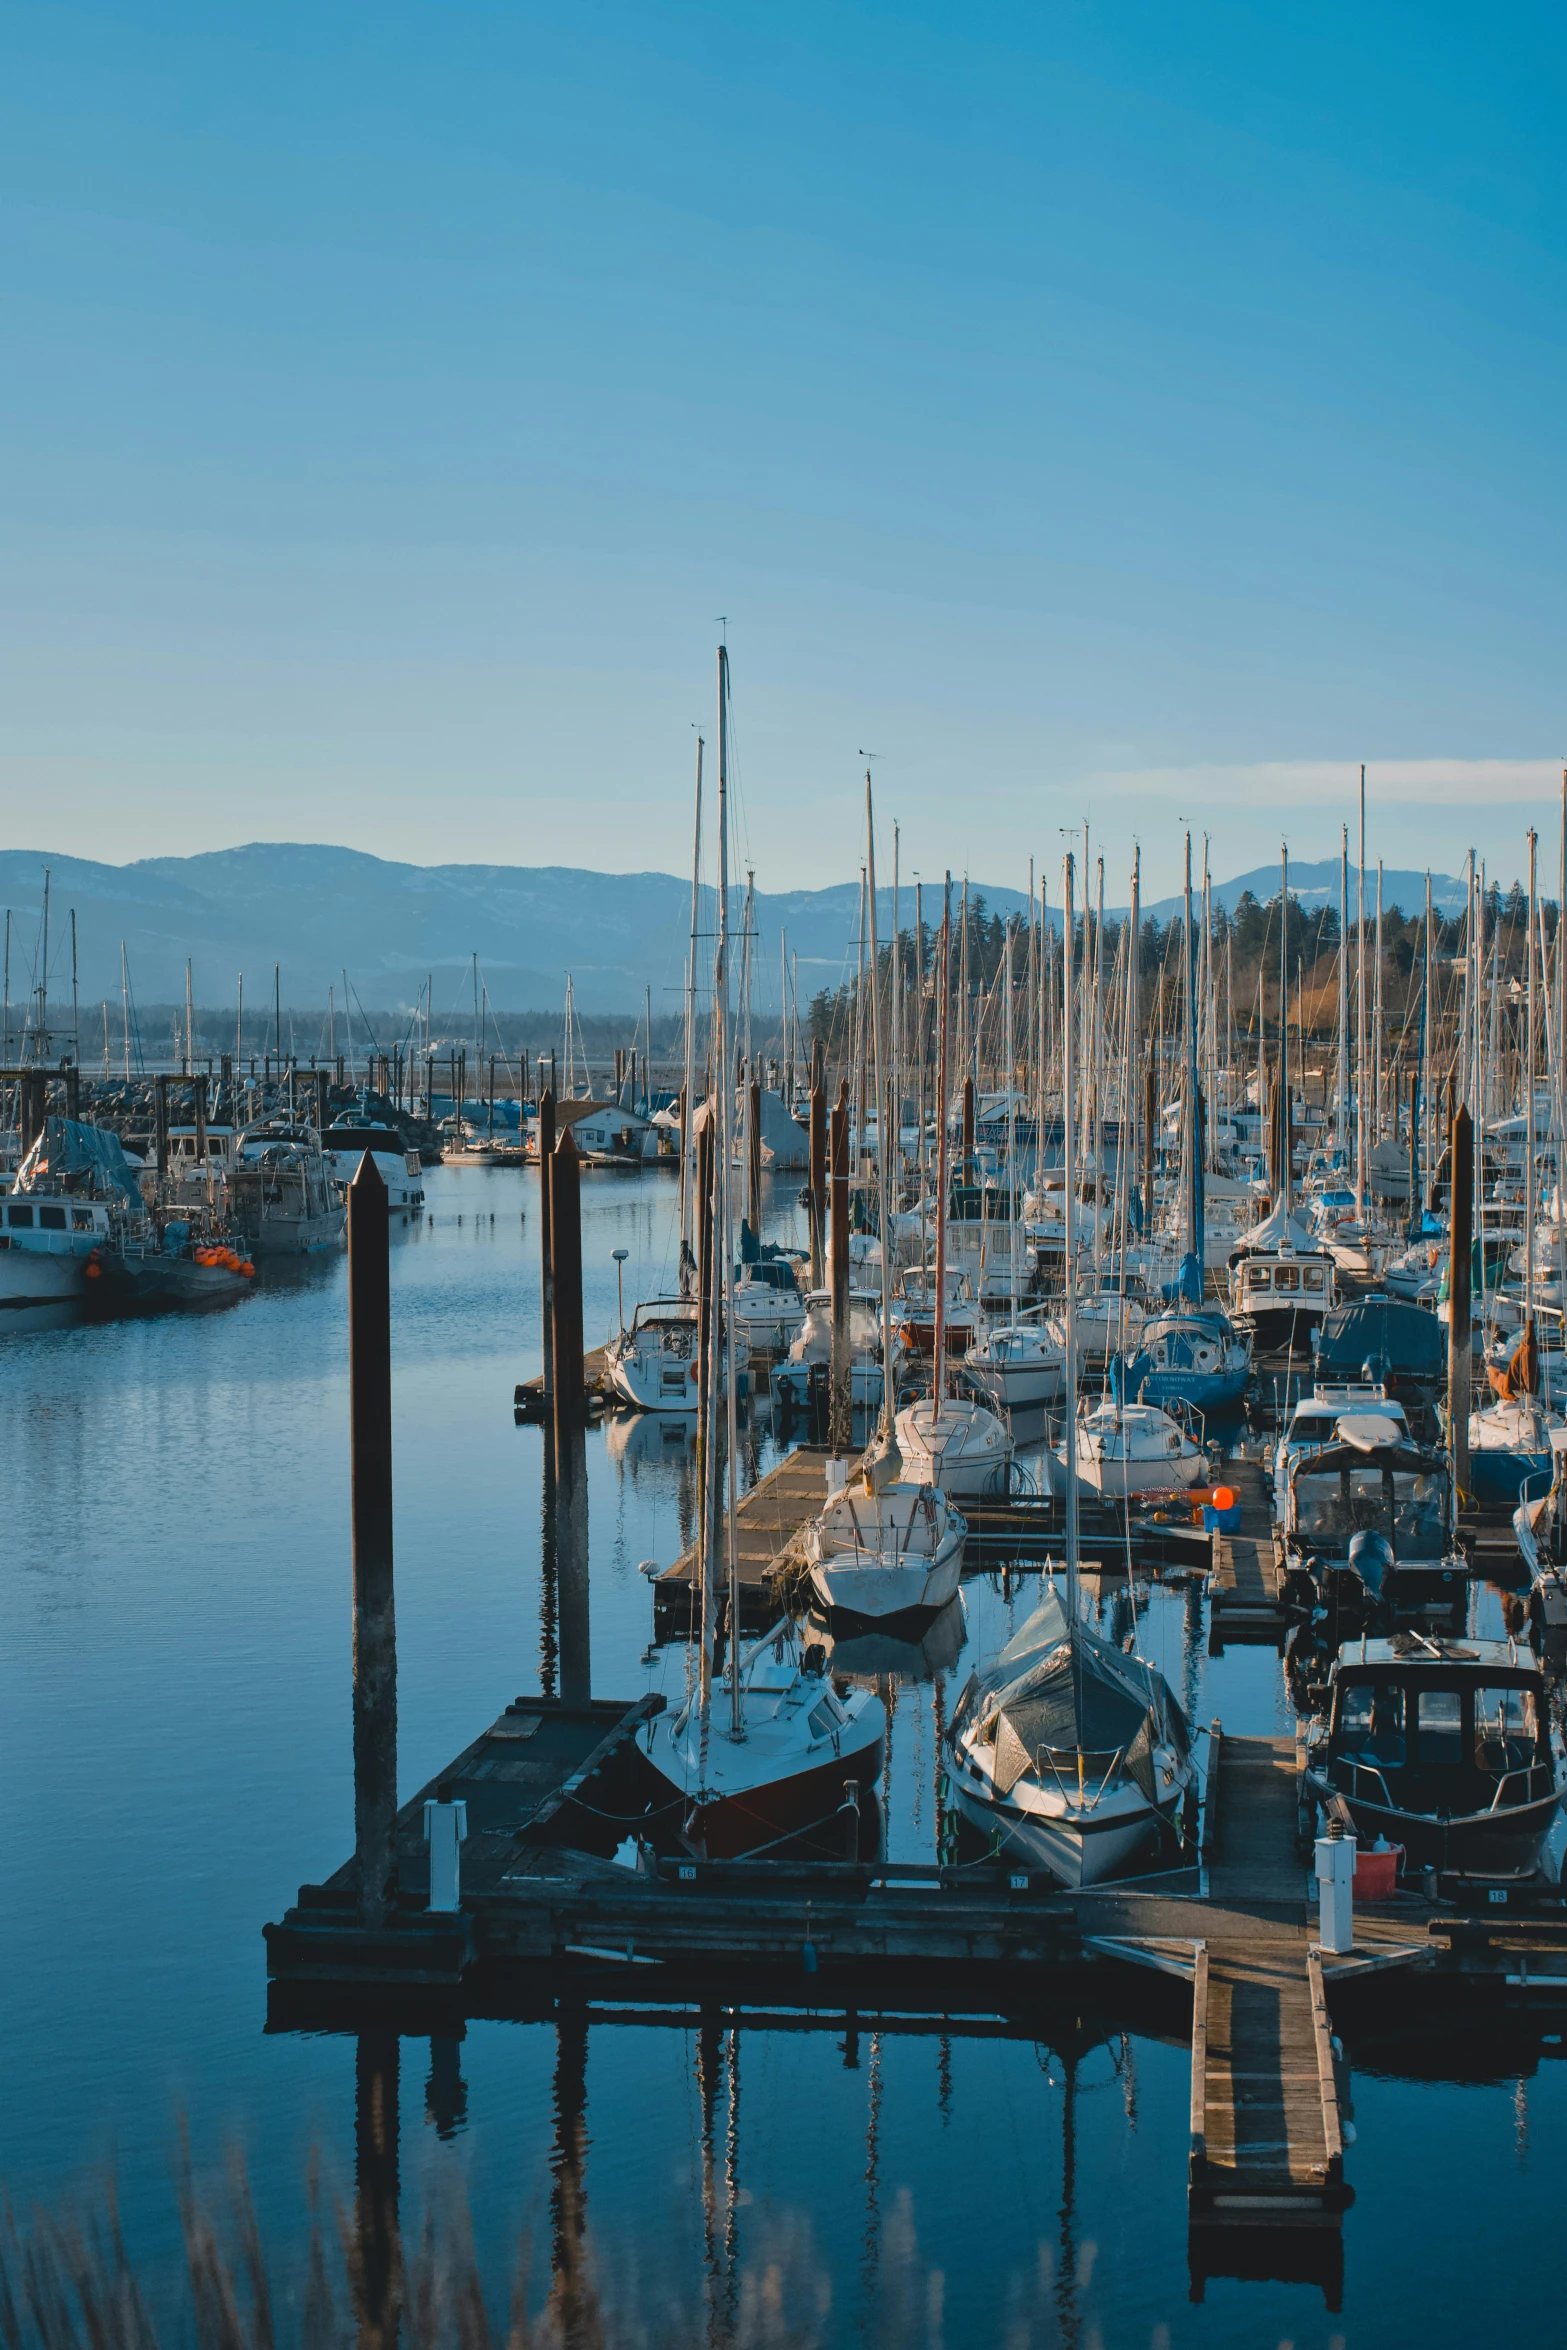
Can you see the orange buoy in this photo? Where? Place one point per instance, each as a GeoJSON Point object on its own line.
{"type": "Point", "coordinates": [1223, 1498]}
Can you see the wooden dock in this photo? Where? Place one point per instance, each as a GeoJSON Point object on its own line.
{"type": "Point", "coordinates": [530, 1403]}
{"type": "Point", "coordinates": [1245, 1606]}
{"type": "Point", "coordinates": [1267, 2142]}
{"type": "Point", "coordinates": [777, 1509]}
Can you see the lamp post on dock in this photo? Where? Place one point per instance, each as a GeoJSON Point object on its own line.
{"type": "Point", "coordinates": [375, 1618]}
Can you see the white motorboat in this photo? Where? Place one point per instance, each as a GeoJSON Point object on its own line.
{"type": "Point", "coordinates": [766, 1309]}
{"type": "Point", "coordinates": [1124, 1448]}
{"type": "Point", "coordinates": [344, 1144]}
{"type": "Point", "coordinates": [1017, 1364]}
{"type": "Point", "coordinates": [1074, 1754]}
{"type": "Point", "coordinates": [1318, 1419]}
{"type": "Point", "coordinates": [654, 1364]}
{"type": "Point", "coordinates": [896, 1552]}
{"type": "Point", "coordinates": [810, 1356]}
{"type": "Point", "coordinates": [962, 1447]}
{"type": "Point", "coordinates": [783, 1773]}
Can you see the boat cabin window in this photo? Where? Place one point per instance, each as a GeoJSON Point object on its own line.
{"type": "Point", "coordinates": [20, 1214]}
{"type": "Point", "coordinates": [1259, 1277]}
{"type": "Point", "coordinates": [1286, 1277]}
{"type": "Point", "coordinates": [1331, 1509]}
{"type": "Point", "coordinates": [52, 1219]}
{"type": "Point", "coordinates": [81, 1219]}
{"type": "Point", "coordinates": [1314, 1277]}
{"type": "Point", "coordinates": [1506, 1729]}
{"type": "Point", "coordinates": [1313, 1429]}
{"type": "Point", "coordinates": [1441, 1721]}
{"type": "Point", "coordinates": [1419, 1517]}
{"type": "Point", "coordinates": [1371, 1723]}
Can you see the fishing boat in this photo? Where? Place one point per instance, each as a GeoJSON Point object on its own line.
{"type": "Point", "coordinates": [51, 1249]}
{"type": "Point", "coordinates": [345, 1142]}
{"type": "Point", "coordinates": [282, 1198]}
{"type": "Point", "coordinates": [1442, 1748]}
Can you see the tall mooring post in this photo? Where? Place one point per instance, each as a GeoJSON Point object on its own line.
{"type": "Point", "coordinates": [546, 1242]}
{"type": "Point", "coordinates": [570, 1414]}
{"type": "Point", "coordinates": [818, 1179]}
{"type": "Point", "coordinates": [840, 1427]}
{"type": "Point", "coordinates": [375, 1618]}
{"type": "Point", "coordinates": [1459, 1266]}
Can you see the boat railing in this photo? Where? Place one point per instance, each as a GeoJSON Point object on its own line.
{"type": "Point", "coordinates": [1372, 1771]}
{"type": "Point", "coordinates": [1526, 1772]}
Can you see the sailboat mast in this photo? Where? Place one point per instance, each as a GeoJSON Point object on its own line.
{"type": "Point", "coordinates": [1428, 1156]}
{"type": "Point", "coordinates": [940, 1365]}
{"type": "Point", "coordinates": [1127, 1146]}
{"type": "Point", "coordinates": [1360, 1017]}
{"type": "Point", "coordinates": [1011, 1135]}
{"type": "Point", "coordinates": [1286, 1122]}
{"type": "Point", "coordinates": [1068, 1107]}
{"type": "Point", "coordinates": [1343, 998]}
{"type": "Point", "coordinates": [1189, 1145]}
{"type": "Point", "coordinates": [1528, 1096]}
{"type": "Point", "coordinates": [881, 1124]}
{"type": "Point", "coordinates": [688, 1121]}
{"type": "Point", "coordinates": [723, 1187]}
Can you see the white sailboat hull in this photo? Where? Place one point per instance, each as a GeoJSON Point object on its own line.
{"type": "Point", "coordinates": [1078, 1847]}
{"type": "Point", "coordinates": [858, 1584]}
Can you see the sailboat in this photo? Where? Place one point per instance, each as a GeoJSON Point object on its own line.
{"type": "Point", "coordinates": [885, 1545]}
{"type": "Point", "coordinates": [1071, 1753]}
{"type": "Point", "coordinates": [777, 1761]}
{"type": "Point", "coordinates": [952, 1441]}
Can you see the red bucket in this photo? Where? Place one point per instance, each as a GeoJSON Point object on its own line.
{"type": "Point", "coordinates": [1376, 1874]}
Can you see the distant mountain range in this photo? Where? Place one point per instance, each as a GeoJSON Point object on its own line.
{"type": "Point", "coordinates": [318, 911]}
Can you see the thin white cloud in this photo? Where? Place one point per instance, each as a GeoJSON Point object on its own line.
{"type": "Point", "coordinates": [1335, 783]}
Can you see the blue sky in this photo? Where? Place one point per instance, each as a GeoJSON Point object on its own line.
{"type": "Point", "coordinates": [1142, 413]}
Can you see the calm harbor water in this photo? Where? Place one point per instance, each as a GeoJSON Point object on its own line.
{"type": "Point", "coordinates": [174, 1729]}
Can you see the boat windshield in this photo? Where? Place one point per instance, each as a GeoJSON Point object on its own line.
{"type": "Point", "coordinates": [1409, 1508]}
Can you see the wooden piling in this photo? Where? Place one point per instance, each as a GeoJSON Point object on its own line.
{"type": "Point", "coordinates": [818, 1184]}
{"type": "Point", "coordinates": [375, 1619]}
{"type": "Point", "coordinates": [840, 1403]}
{"type": "Point", "coordinates": [546, 1235]}
{"type": "Point", "coordinates": [1459, 1261]}
{"type": "Point", "coordinates": [570, 1414]}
